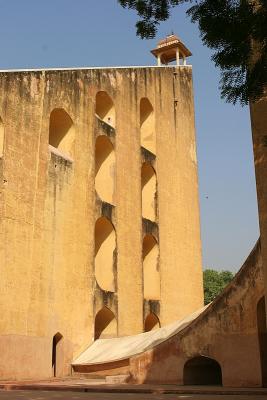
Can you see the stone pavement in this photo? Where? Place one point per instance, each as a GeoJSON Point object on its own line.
{"type": "Point", "coordinates": [43, 395]}
{"type": "Point", "coordinates": [71, 388]}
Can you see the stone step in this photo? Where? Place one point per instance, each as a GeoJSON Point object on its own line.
{"type": "Point", "coordinates": [112, 379]}
{"type": "Point", "coordinates": [88, 376]}
{"type": "Point", "coordinates": [117, 379]}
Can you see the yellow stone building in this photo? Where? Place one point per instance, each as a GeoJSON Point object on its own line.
{"type": "Point", "coordinates": [99, 210]}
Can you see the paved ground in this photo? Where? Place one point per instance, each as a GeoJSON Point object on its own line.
{"type": "Point", "coordinates": [41, 395]}
{"type": "Point", "coordinates": [36, 395]}
{"type": "Point", "coordinates": [97, 389]}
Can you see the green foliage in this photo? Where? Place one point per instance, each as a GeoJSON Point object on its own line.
{"type": "Point", "coordinates": [231, 28]}
{"type": "Point", "coordinates": [152, 12]}
{"type": "Point", "coordinates": [214, 283]}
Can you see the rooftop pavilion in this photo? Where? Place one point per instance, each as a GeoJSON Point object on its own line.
{"type": "Point", "coordinates": [170, 49]}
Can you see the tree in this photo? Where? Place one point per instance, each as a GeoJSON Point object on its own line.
{"type": "Point", "coordinates": [214, 283]}
{"type": "Point", "coordinates": [232, 28]}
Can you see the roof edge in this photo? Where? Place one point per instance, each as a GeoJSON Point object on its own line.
{"type": "Point", "coordinates": [89, 68]}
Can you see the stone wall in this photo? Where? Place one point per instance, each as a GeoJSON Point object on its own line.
{"type": "Point", "coordinates": [226, 332]}
{"type": "Point", "coordinates": [50, 296]}
{"type": "Point", "coordinates": [258, 113]}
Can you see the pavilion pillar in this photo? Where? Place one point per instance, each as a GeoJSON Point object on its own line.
{"type": "Point", "coordinates": [177, 57]}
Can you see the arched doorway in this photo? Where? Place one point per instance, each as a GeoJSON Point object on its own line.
{"type": "Point", "coordinates": [57, 354]}
{"type": "Point", "coordinates": [151, 322]}
{"type": "Point", "coordinates": [202, 371]}
{"type": "Point", "coordinates": [262, 334]}
{"type": "Point", "coordinates": [105, 324]}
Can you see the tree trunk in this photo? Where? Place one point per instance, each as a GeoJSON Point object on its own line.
{"type": "Point", "coordinates": [258, 112]}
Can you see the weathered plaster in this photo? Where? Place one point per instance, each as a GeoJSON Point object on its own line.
{"type": "Point", "coordinates": [49, 207]}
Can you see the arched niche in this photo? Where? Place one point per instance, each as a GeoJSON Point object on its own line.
{"type": "Point", "coordinates": [147, 125]}
{"type": "Point", "coordinates": [151, 322]}
{"type": "Point", "coordinates": [262, 334]}
{"type": "Point", "coordinates": [150, 268]}
{"type": "Point", "coordinates": [57, 355]}
{"type": "Point", "coordinates": [105, 324]}
{"type": "Point", "coordinates": [104, 108]}
{"type": "Point", "coordinates": [105, 169]}
{"type": "Point", "coordinates": [105, 245]}
{"type": "Point", "coordinates": [61, 131]}
{"type": "Point", "coordinates": [149, 188]}
{"type": "Point", "coordinates": [202, 371]}
{"type": "Point", "coordinates": [2, 137]}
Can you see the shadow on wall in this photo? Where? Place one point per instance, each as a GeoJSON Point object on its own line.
{"type": "Point", "coordinates": [149, 189]}
{"type": "Point", "coordinates": [151, 322]}
{"type": "Point", "coordinates": [147, 125]}
{"type": "Point", "coordinates": [2, 137]}
{"type": "Point", "coordinates": [105, 324]}
{"type": "Point", "coordinates": [105, 245]}
{"type": "Point", "coordinates": [151, 268]}
{"type": "Point", "coordinates": [62, 131]}
{"type": "Point", "coordinates": [105, 169]}
{"type": "Point", "coordinates": [105, 109]}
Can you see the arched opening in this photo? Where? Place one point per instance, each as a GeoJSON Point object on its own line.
{"type": "Point", "coordinates": [151, 268]}
{"type": "Point", "coordinates": [147, 125]}
{"type": "Point", "coordinates": [151, 322]}
{"type": "Point", "coordinates": [202, 371]}
{"type": "Point", "coordinates": [105, 169]}
{"type": "Point", "coordinates": [262, 334]}
{"type": "Point", "coordinates": [105, 245]}
{"type": "Point", "coordinates": [105, 109]}
{"type": "Point", "coordinates": [61, 131]}
{"type": "Point", "coordinates": [105, 324]}
{"type": "Point", "coordinates": [149, 188]}
{"type": "Point", "coordinates": [2, 136]}
{"type": "Point", "coordinates": [57, 355]}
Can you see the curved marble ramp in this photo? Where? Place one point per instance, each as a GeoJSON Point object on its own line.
{"type": "Point", "coordinates": [109, 350]}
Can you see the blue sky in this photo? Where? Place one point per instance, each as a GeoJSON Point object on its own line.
{"type": "Point", "coordinates": [68, 33]}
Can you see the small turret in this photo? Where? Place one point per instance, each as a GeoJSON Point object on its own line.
{"type": "Point", "coordinates": [170, 49]}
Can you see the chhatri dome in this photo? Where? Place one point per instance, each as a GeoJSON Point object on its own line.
{"type": "Point", "coordinates": [170, 49]}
